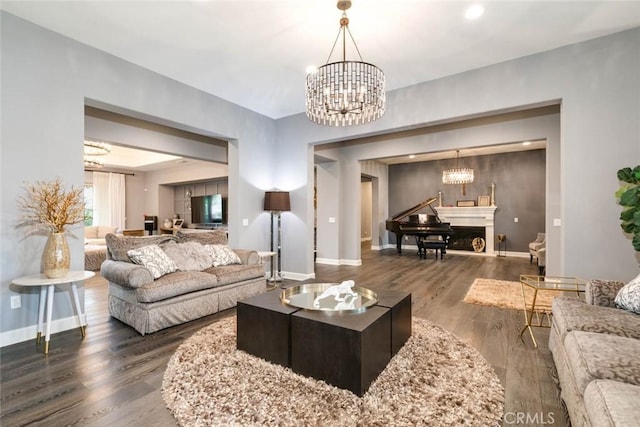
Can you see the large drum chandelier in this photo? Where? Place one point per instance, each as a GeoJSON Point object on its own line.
{"type": "Point", "coordinates": [345, 93]}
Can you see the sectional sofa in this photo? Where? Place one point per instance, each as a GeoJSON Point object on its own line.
{"type": "Point", "coordinates": [596, 352]}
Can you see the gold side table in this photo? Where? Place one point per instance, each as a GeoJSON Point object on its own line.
{"type": "Point", "coordinates": [47, 291]}
{"type": "Point", "coordinates": [502, 245]}
{"type": "Point", "coordinates": [532, 306]}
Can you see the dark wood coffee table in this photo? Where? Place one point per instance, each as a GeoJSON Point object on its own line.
{"type": "Point", "coordinates": [347, 350]}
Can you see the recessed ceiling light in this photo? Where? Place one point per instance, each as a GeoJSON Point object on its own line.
{"type": "Point", "coordinates": [526, 143]}
{"type": "Point", "coordinates": [474, 12]}
{"type": "Point", "coordinates": [412, 156]}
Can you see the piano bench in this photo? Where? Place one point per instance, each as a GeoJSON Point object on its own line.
{"type": "Point", "coordinates": [423, 245]}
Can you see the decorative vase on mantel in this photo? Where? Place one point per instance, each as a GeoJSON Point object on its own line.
{"type": "Point", "coordinates": [56, 259]}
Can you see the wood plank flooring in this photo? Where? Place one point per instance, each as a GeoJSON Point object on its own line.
{"type": "Point", "coordinates": [113, 377]}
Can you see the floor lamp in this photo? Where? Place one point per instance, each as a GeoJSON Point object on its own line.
{"type": "Point", "coordinates": [276, 202]}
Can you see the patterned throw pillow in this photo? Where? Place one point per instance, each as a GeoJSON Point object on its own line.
{"type": "Point", "coordinates": [222, 255]}
{"type": "Point", "coordinates": [153, 259]}
{"type": "Point", "coordinates": [628, 297]}
{"type": "Point", "coordinates": [188, 256]}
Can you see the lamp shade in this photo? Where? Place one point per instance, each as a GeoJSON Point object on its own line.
{"type": "Point", "coordinates": [277, 201]}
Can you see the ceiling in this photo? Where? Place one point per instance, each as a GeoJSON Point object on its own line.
{"type": "Point", "coordinates": [254, 53]}
{"type": "Point", "coordinates": [132, 159]}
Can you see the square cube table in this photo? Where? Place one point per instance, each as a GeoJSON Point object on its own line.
{"type": "Point", "coordinates": [347, 350]}
{"type": "Point", "coordinates": [264, 327]}
{"type": "Point", "coordinates": [400, 305]}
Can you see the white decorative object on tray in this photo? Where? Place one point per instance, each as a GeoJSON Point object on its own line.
{"type": "Point", "coordinates": [330, 298]}
{"type": "Point", "coordinates": [337, 291]}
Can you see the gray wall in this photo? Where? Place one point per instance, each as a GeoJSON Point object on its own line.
{"type": "Point", "coordinates": [47, 79]}
{"type": "Point", "coordinates": [143, 188]}
{"type": "Point", "coordinates": [520, 190]}
{"type": "Point", "coordinates": [597, 87]}
{"type": "Point", "coordinates": [537, 123]}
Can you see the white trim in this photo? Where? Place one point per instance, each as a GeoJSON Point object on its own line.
{"type": "Point", "coordinates": [455, 252]}
{"type": "Point", "coordinates": [472, 253]}
{"type": "Point", "coordinates": [518, 254]}
{"type": "Point", "coordinates": [476, 216]}
{"type": "Point", "coordinates": [330, 261]}
{"type": "Point", "coordinates": [29, 332]}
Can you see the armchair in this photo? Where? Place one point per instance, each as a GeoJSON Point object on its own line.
{"type": "Point", "coordinates": [535, 246]}
{"type": "Point", "coordinates": [542, 254]}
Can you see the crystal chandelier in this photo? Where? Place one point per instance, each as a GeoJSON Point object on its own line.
{"type": "Point", "coordinates": [345, 93]}
{"type": "Point", "coordinates": [93, 153]}
{"type": "Point", "coordinates": [457, 175]}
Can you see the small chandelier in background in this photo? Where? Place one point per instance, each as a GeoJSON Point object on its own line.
{"type": "Point", "coordinates": [457, 175]}
{"type": "Point", "coordinates": [345, 93]}
{"type": "Point", "coordinates": [94, 151]}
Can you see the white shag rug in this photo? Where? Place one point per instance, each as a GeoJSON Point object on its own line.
{"type": "Point", "coordinates": [435, 380]}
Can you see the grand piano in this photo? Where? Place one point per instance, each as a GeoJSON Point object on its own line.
{"type": "Point", "coordinates": [431, 233]}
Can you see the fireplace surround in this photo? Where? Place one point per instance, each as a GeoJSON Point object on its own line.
{"type": "Point", "coordinates": [472, 216]}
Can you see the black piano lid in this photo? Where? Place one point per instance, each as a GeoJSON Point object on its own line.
{"type": "Point", "coordinates": [416, 208]}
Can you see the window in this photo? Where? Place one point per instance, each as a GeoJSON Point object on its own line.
{"type": "Point", "coordinates": [88, 204]}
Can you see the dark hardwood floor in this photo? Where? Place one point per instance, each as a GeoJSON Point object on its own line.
{"type": "Point", "coordinates": [113, 376]}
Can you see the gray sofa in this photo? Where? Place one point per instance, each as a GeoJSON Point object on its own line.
{"type": "Point", "coordinates": [149, 304]}
{"type": "Point", "coordinates": [596, 351]}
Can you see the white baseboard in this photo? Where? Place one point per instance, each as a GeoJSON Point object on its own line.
{"type": "Point", "coordinates": [332, 261]}
{"type": "Point", "coordinates": [29, 332]}
{"type": "Point", "coordinates": [328, 261]}
{"type": "Point", "coordinates": [517, 254]}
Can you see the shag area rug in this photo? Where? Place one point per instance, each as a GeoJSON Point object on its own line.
{"type": "Point", "coordinates": [505, 294]}
{"type": "Point", "coordinates": [435, 379]}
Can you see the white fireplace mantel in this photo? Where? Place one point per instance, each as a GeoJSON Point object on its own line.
{"type": "Point", "coordinates": [473, 216]}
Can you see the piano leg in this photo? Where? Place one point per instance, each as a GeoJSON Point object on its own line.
{"type": "Point", "coordinates": [422, 252]}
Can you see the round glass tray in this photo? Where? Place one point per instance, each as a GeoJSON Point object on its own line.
{"type": "Point", "coordinates": [330, 297]}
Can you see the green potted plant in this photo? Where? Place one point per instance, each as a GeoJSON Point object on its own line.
{"type": "Point", "coordinates": [628, 196]}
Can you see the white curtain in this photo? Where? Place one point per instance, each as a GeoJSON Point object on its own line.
{"type": "Point", "coordinates": [109, 199]}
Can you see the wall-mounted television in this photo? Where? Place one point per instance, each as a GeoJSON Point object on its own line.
{"type": "Point", "coordinates": [207, 209]}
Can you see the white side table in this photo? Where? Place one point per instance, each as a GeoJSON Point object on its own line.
{"type": "Point", "coordinates": [264, 255]}
{"type": "Point", "coordinates": [47, 290]}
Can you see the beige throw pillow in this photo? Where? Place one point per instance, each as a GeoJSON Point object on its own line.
{"type": "Point", "coordinates": [153, 259]}
{"type": "Point", "coordinates": [188, 256]}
